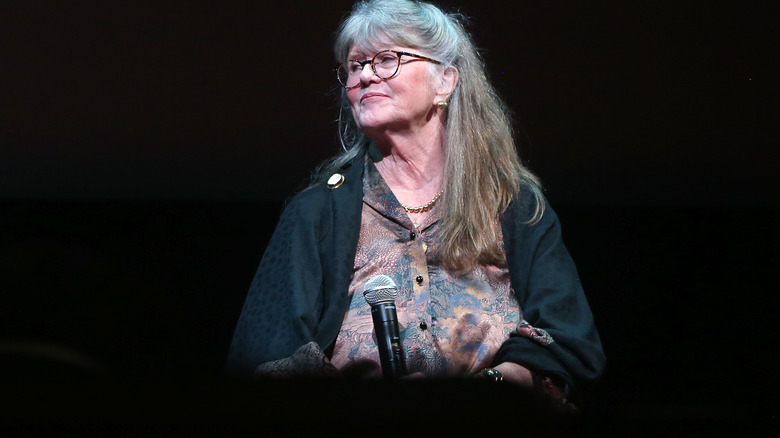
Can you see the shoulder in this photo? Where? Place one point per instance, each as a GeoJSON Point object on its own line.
{"type": "Point", "coordinates": [529, 207]}
{"type": "Point", "coordinates": [343, 183]}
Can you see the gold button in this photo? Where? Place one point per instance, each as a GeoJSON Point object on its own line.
{"type": "Point", "coordinates": [335, 180]}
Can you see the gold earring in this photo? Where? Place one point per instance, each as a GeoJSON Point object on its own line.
{"type": "Point", "coordinates": [442, 104]}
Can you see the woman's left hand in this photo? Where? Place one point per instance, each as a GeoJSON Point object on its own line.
{"type": "Point", "coordinates": [516, 374]}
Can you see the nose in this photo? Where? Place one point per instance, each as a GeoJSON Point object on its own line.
{"type": "Point", "coordinates": [367, 74]}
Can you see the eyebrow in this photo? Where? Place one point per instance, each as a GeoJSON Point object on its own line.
{"type": "Point", "coordinates": [366, 54]}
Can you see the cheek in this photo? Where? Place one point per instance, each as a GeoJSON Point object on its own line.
{"type": "Point", "coordinates": [352, 96]}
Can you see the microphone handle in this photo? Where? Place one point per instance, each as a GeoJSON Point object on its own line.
{"type": "Point", "coordinates": [388, 339]}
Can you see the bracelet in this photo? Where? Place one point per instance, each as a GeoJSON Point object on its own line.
{"type": "Point", "coordinates": [492, 373]}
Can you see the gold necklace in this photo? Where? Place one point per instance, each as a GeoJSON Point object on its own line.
{"type": "Point", "coordinates": [424, 207]}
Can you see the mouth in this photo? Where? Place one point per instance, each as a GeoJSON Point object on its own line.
{"type": "Point", "coordinates": [371, 95]}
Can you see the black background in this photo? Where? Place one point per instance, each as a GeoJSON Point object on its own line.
{"type": "Point", "coordinates": [146, 150]}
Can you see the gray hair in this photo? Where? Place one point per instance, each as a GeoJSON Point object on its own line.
{"type": "Point", "coordinates": [483, 172]}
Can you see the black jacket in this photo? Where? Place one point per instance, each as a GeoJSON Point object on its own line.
{"type": "Point", "coordinates": [300, 291]}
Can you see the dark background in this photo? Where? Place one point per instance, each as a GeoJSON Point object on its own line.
{"type": "Point", "coordinates": [146, 150]}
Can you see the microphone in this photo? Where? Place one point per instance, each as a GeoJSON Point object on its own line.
{"type": "Point", "coordinates": [380, 292]}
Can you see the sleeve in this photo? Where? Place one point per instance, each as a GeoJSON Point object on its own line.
{"type": "Point", "coordinates": [283, 304]}
{"type": "Point", "coordinates": [558, 337]}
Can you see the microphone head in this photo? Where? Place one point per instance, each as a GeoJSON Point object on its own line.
{"type": "Point", "coordinates": [380, 289]}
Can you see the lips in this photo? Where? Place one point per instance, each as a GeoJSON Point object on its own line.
{"type": "Point", "coordinates": [370, 95]}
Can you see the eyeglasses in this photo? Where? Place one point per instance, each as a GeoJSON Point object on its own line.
{"type": "Point", "coordinates": [384, 64]}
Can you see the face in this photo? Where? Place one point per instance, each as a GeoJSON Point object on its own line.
{"type": "Point", "coordinates": [402, 102]}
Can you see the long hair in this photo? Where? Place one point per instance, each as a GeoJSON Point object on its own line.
{"type": "Point", "coordinates": [483, 172]}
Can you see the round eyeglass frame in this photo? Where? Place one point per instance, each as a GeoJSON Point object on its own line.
{"type": "Point", "coordinates": [398, 53]}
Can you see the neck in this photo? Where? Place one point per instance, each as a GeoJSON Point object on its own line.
{"type": "Point", "coordinates": [412, 161]}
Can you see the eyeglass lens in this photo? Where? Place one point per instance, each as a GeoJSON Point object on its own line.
{"type": "Point", "coordinates": [384, 64]}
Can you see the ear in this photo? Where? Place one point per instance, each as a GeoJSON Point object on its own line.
{"type": "Point", "coordinates": [448, 82]}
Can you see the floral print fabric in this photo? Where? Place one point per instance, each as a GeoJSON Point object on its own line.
{"type": "Point", "coordinates": [450, 324]}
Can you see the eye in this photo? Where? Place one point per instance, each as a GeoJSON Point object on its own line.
{"type": "Point", "coordinates": [354, 67]}
{"type": "Point", "coordinates": [386, 59]}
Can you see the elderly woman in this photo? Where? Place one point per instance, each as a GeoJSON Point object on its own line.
{"type": "Point", "coordinates": [430, 192]}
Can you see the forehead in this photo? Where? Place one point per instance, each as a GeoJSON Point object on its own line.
{"type": "Point", "coordinates": [372, 42]}
{"type": "Point", "coordinates": [366, 51]}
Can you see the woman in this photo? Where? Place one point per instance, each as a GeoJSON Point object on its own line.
{"type": "Point", "coordinates": [430, 192]}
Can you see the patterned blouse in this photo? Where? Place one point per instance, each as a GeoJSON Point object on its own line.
{"type": "Point", "coordinates": [450, 324]}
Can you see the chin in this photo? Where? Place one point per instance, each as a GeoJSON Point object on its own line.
{"type": "Point", "coordinates": [371, 122]}
{"type": "Point", "coordinates": [373, 115]}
